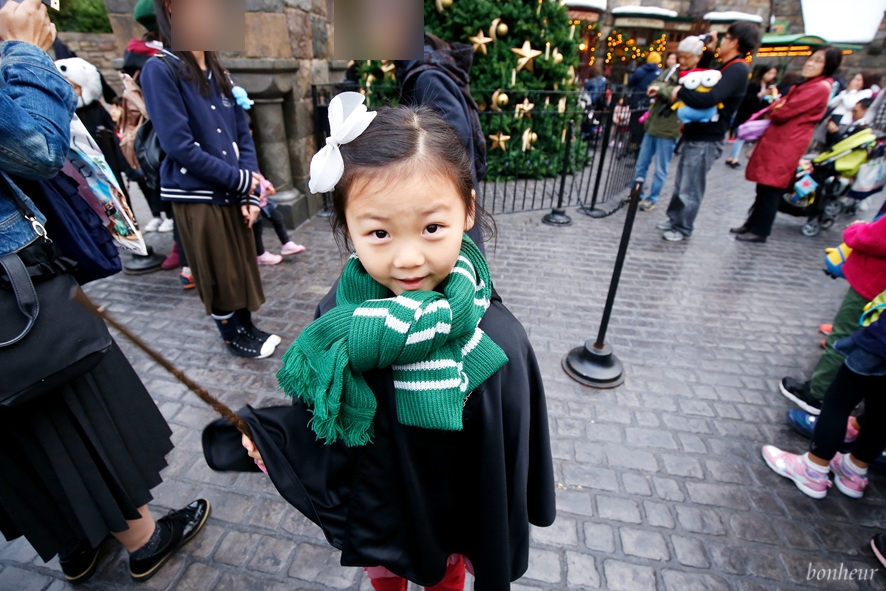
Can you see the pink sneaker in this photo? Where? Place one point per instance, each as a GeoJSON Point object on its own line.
{"type": "Point", "coordinates": [810, 482]}
{"type": "Point", "coordinates": [291, 248]}
{"type": "Point", "coordinates": [848, 481]}
{"type": "Point", "coordinates": [269, 258]}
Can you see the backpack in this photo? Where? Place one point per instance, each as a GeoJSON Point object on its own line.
{"type": "Point", "coordinates": [134, 114]}
{"type": "Point", "coordinates": [146, 145]}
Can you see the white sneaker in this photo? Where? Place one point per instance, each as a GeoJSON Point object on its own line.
{"type": "Point", "coordinates": [268, 258]}
{"type": "Point", "coordinates": [152, 225]}
{"type": "Point", "coordinates": [167, 225]}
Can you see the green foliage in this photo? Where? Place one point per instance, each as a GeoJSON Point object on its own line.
{"type": "Point", "coordinates": [81, 16]}
{"type": "Point", "coordinates": [527, 20]}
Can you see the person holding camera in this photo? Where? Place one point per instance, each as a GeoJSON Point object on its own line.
{"type": "Point", "coordinates": [702, 142]}
{"type": "Point", "coordinates": [79, 460]}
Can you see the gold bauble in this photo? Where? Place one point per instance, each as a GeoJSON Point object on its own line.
{"type": "Point", "coordinates": [502, 99]}
{"type": "Point", "coordinates": [630, 42]}
{"type": "Point", "coordinates": [481, 106]}
{"type": "Point", "coordinates": [558, 57]}
{"type": "Point", "coordinates": [446, 3]}
{"type": "Point", "coordinates": [501, 29]}
{"type": "Point", "coordinates": [533, 137]}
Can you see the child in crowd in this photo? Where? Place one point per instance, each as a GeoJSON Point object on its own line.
{"type": "Point", "coordinates": [862, 377]}
{"type": "Point", "coordinates": [418, 436]}
{"type": "Point", "coordinates": [269, 211]}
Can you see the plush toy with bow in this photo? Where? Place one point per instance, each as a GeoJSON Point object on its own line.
{"type": "Point", "coordinates": [700, 81]}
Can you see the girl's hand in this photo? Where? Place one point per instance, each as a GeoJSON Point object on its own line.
{"type": "Point", "coordinates": [252, 451]}
{"type": "Point", "coordinates": [256, 180]}
{"type": "Point", "coordinates": [250, 214]}
{"type": "Point", "coordinates": [28, 22]}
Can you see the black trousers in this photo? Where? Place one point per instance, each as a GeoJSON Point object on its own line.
{"type": "Point", "coordinates": [763, 211]}
{"type": "Point", "coordinates": [279, 227]}
{"type": "Point", "coordinates": [845, 393]}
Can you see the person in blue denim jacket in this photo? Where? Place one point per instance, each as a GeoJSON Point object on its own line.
{"type": "Point", "coordinates": [75, 469]}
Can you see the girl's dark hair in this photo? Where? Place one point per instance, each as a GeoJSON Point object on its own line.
{"type": "Point", "coordinates": [189, 69]}
{"type": "Point", "coordinates": [399, 141]}
{"type": "Point", "coordinates": [869, 78]}
{"type": "Point", "coordinates": [761, 71]}
{"type": "Point", "coordinates": [833, 57]}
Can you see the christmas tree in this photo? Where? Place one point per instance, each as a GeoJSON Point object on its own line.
{"type": "Point", "coordinates": [525, 56]}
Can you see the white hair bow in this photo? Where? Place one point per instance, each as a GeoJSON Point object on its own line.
{"type": "Point", "coordinates": [348, 118]}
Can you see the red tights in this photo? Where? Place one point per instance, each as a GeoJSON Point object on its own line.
{"type": "Point", "coordinates": [453, 580]}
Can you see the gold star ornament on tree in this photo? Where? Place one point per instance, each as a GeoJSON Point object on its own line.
{"type": "Point", "coordinates": [479, 41]}
{"type": "Point", "coordinates": [499, 140]}
{"type": "Point", "coordinates": [524, 108]}
{"type": "Point", "coordinates": [527, 56]}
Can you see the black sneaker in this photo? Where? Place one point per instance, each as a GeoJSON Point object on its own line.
{"type": "Point", "coordinates": [79, 564]}
{"type": "Point", "coordinates": [798, 393]}
{"type": "Point", "coordinates": [878, 545]}
{"type": "Point", "coordinates": [179, 527]}
{"type": "Point", "coordinates": [244, 344]}
{"type": "Point", "coordinates": [262, 336]}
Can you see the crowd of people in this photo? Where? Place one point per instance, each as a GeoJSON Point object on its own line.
{"type": "Point", "coordinates": [412, 360]}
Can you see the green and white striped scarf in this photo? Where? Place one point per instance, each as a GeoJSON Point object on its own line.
{"type": "Point", "coordinates": [431, 339]}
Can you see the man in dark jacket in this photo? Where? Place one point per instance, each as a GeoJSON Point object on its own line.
{"type": "Point", "coordinates": [441, 81]}
{"type": "Point", "coordinates": [702, 142]}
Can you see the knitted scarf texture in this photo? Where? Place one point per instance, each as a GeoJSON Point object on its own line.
{"type": "Point", "coordinates": [430, 339]}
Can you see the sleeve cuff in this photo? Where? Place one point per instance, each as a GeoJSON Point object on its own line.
{"type": "Point", "coordinates": [245, 182]}
{"type": "Point", "coordinates": [250, 200]}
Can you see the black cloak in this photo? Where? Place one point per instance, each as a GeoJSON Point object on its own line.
{"type": "Point", "coordinates": [414, 496]}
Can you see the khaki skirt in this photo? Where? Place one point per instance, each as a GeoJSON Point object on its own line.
{"type": "Point", "coordinates": [221, 252]}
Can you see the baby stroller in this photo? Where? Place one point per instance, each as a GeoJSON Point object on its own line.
{"type": "Point", "coordinates": [829, 177]}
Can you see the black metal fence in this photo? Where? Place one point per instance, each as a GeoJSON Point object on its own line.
{"type": "Point", "coordinates": [598, 167]}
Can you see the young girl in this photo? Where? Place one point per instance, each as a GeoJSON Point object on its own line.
{"type": "Point", "coordinates": [418, 436]}
{"type": "Point", "coordinates": [269, 211]}
{"type": "Point", "coordinates": [861, 377]}
{"type": "Point", "coordinates": [210, 175]}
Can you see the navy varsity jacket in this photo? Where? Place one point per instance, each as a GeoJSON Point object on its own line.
{"type": "Point", "coordinates": [210, 155]}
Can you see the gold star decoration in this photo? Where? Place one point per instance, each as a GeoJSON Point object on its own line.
{"type": "Point", "coordinates": [479, 41]}
{"type": "Point", "coordinates": [499, 140]}
{"type": "Point", "coordinates": [527, 56]}
{"type": "Point", "coordinates": [524, 108]}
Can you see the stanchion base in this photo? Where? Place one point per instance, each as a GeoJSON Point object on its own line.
{"type": "Point", "coordinates": [597, 368]}
{"type": "Point", "coordinates": [142, 264]}
{"type": "Point", "coordinates": [593, 213]}
{"type": "Point", "coordinates": [557, 217]}
{"type": "Point", "coordinates": [324, 213]}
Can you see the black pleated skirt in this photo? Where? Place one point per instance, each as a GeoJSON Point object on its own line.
{"type": "Point", "coordinates": [77, 463]}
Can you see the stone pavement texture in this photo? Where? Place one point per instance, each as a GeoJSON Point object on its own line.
{"type": "Point", "coordinates": [660, 481]}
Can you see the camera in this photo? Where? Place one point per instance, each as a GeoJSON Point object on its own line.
{"type": "Point", "coordinates": [706, 38]}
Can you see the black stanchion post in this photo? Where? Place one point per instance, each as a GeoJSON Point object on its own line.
{"type": "Point", "coordinates": [592, 211]}
{"type": "Point", "coordinates": [558, 216]}
{"type": "Point", "coordinates": [594, 364]}
{"type": "Point", "coordinates": [321, 129]}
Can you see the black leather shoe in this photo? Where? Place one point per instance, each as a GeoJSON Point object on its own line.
{"type": "Point", "coordinates": [178, 528]}
{"type": "Point", "coordinates": [739, 230]}
{"type": "Point", "coordinates": [79, 565]}
{"type": "Point", "coordinates": [748, 237]}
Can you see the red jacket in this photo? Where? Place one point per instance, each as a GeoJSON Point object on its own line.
{"type": "Point", "coordinates": [774, 161]}
{"type": "Point", "coordinates": [865, 269]}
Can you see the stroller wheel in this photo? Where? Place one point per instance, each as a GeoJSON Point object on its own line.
{"type": "Point", "coordinates": [811, 228]}
{"type": "Point", "coordinates": [826, 222]}
{"type": "Point", "coordinates": [834, 208]}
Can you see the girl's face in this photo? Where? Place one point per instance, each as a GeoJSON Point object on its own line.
{"type": "Point", "coordinates": [856, 83]}
{"type": "Point", "coordinates": [770, 75]}
{"type": "Point", "coordinates": [814, 65]}
{"type": "Point", "coordinates": [407, 233]}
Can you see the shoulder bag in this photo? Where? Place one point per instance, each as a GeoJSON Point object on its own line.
{"type": "Point", "coordinates": [46, 338]}
{"type": "Point", "coordinates": [754, 128]}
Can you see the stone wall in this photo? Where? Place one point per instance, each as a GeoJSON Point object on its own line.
{"type": "Point", "coordinates": [98, 49]}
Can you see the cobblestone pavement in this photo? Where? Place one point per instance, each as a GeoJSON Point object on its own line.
{"type": "Point", "coordinates": [660, 481]}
